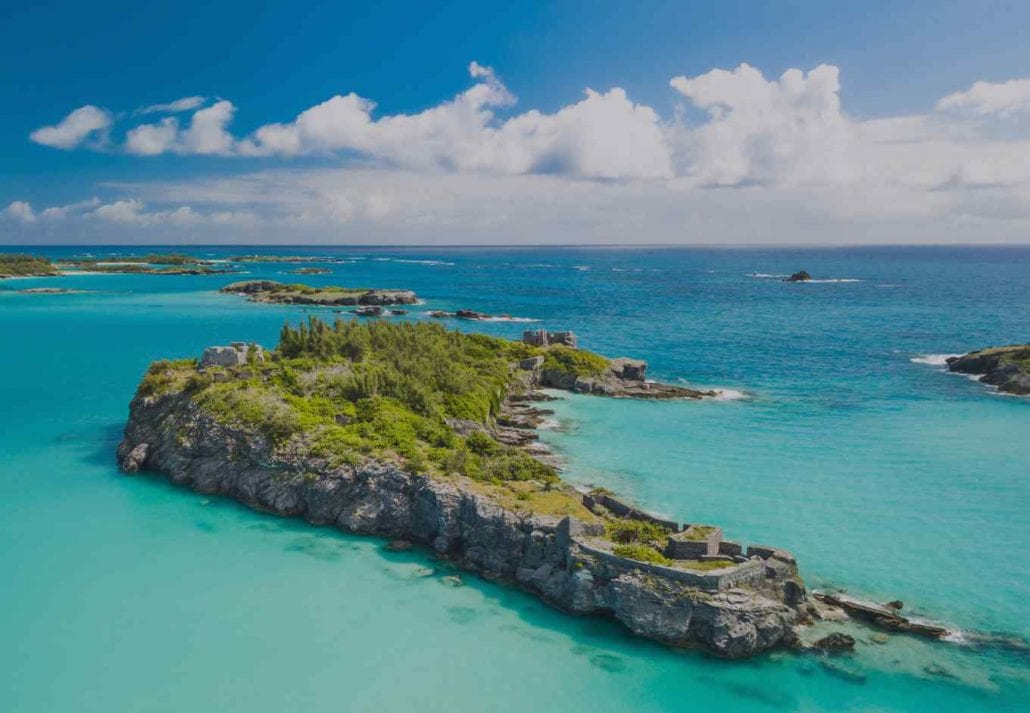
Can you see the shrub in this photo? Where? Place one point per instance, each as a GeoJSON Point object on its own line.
{"type": "Point", "coordinates": [628, 531]}
{"type": "Point", "coordinates": [643, 553]}
{"type": "Point", "coordinates": [575, 361]}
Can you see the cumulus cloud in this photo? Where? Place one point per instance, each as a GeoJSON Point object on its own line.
{"type": "Point", "coordinates": [789, 130]}
{"type": "Point", "coordinates": [84, 123]}
{"type": "Point", "coordinates": [606, 168]}
{"type": "Point", "coordinates": [153, 139]}
{"type": "Point", "coordinates": [603, 136]}
{"type": "Point", "coordinates": [173, 107]}
{"type": "Point", "coordinates": [1004, 99]}
{"type": "Point", "coordinates": [21, 211]}
{"type": "Point", "coordinates": [206, 134]}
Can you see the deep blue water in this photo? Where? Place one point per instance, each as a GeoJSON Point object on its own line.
{"type": "Point", "coordinates": [884, 475]}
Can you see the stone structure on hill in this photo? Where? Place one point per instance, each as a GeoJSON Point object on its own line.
{"type": "Point", "coordinates": [236, 354]}
{"type": "Point", "coordinates": [543, 338]}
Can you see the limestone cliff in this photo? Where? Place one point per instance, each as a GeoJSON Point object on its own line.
{"type": "Point", "coordinates": [549, 556]}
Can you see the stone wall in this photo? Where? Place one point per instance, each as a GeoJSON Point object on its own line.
{"type": "Point", "coordinates": [747, 573]}
{"type": "Point", "coordinates": [621, 509]}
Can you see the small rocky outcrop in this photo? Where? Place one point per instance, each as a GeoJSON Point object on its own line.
{"type": "Point", "coordinates": [1007, 368]}
{"type": "Point", "coordinates": [801, 276]}
{"type": "Point", "coordinates": [614, 382]}
{"type": "Point", "coordinates": [835, 642]}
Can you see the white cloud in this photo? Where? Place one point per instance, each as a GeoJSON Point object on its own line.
{"type": "Point", "coordinates": [1004, 99]}
{"type": "Point", "coordinates": [762, 160]}
{"type": "Point", "coordinates": [132, 211]}
{"type": "Point", "coordinates": [20, 211]}
{"type": "Point", "coordinates": [81, 124]}
{"type": "Point", "coordinates": [603, 136]}
{"type": "Point", "coordinates": [57, 212]}
{"type": "Point", "coordinates": [174, 107]}
{"type": "Point", "coordinates": [153, 139]}
{"type": "Point", "coordinates": [788, 131]}
{"type": "Point", "coordinates": [206, 133]}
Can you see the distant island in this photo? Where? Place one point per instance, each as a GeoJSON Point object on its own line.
{"type": "Point", "coordinates": [282, 258]}
{"type": "Point", "coordinates": [417, 433]}
{"type": "Point", "coordinates": [1007, 368]}
{"type": "Point", "coordinates": [149, 264]}
{"type": "Point", "coordinates": [15, 265]}
{"type": "Point", "coordinates": [329, 295]}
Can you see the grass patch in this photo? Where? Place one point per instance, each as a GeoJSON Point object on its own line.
{"type": "Point", "coordinates": [642, 553]}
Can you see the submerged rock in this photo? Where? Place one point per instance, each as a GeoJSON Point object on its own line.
{"type": "Point", "coordinates": [835, 642]}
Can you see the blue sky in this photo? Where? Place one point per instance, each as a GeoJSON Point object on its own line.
{"type": "Point", "coordinates": [738, 156]}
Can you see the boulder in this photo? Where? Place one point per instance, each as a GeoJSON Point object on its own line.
{"type": "Point", "coordinates": [134, 460]}
{"type": "Point", "coordinates": [801, 276]}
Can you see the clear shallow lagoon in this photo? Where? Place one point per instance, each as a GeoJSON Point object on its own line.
{"type": "Point", "coordinates": [883, 475]}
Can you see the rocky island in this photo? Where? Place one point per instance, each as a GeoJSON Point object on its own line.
{"type": "Point", "coordinates": [1007, 368]}
{"type": "Point", "coordinates": [410, 431]}
{"type": "Point", "coordinates": [151, 264]}
{"type": "Point", "coordinates": [332, 296]}
{"type": "Point", "coordinates": [14, 265]}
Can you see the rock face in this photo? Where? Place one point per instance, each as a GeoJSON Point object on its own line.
{"type": "Point", "coordinates": [1008, 368]}
{"type": "Point", "coordinates": [543, 554]}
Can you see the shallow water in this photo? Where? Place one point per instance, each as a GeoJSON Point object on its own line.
{"type": "Point", "coordinates": [884, 475]}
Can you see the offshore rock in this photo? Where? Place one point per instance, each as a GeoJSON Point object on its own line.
{"type": "Point", "coordinates": [1008, 368]}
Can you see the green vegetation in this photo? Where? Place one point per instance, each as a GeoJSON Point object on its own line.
{"type": "Point", "coordinates": [152, 264]}
{"type": "Point", "coordinates": [574, 361]}
{"type": "Point", "coordinates": [171, 259]}
{"type": "Point", "coordinates": [638, 539]}
{"type": "Point", "coordinates": [281, 293]}
{"type": "Point", "coordinates": [703, 565]}
{"type": "Point", "coordinates": [628, 531]}
{"type": "Point", "coordinates": [353, 389]}
{"type": "Point", "coordinates": [643, 553]}
{"type": "Point", "coordinates": [698, 533]}
{"type": "Point", "coordinates": [14, 265]}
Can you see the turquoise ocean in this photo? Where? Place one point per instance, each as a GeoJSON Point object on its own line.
{"type": "Point", "coordinates": [838, 436]}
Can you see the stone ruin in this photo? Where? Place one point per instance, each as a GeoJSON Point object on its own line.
{"type": "Point", "coordinates": [694, 541]}
{"type": "Point", "coordinates": [236, 354]}
{"type": "Point", "coordinates": [543, 338]}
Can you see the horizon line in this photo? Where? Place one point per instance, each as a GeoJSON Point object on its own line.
{"type": "Point", "coordinates": [734, 246]}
